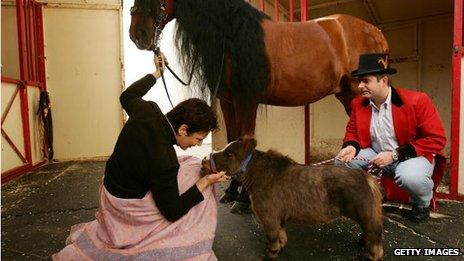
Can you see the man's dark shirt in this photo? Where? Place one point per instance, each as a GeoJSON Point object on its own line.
{"type": "Point", "coordinates": [144, 157]}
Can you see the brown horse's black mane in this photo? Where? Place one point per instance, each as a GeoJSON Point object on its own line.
{"type": "Point", "coordinates": [202, 28]}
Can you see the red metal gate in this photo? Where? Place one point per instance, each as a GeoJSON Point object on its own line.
{"type": "Point", "coordinates": [32, 74]}
{"type": "Point", "coordinates": [455, 103]}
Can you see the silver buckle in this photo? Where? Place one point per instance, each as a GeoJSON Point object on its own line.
{"type": "Point", "coordinates": [133, 10]}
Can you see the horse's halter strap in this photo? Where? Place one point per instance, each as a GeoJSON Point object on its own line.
{"type": "Point", "coordinates": [239, 172]}
{"type": "Point", "coordinates": [160, 20]}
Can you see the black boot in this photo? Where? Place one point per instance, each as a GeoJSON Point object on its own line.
{"type": "Point", "coordinates": [228, 197]}
{"type": "Point", "coordinates": [418, 214]}
{"type": "Point", "coordinates": [231, 193]}
{"type": "Point", "coordinates": [242, 205]}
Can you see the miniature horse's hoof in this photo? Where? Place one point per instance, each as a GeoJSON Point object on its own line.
{"type": "Point", "coordinates": [270, 254]}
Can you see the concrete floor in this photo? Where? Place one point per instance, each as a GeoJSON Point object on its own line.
{"type": "Point", "coordinates": [39, 208]}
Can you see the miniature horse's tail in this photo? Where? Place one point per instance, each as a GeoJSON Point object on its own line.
{"type": "Point", "coordinates": [373, 230]}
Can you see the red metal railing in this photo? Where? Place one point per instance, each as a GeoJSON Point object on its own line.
{"type": "Point", "coordinates": [456, 100]}
{"type": "Point", "coordinates": [32, 73]}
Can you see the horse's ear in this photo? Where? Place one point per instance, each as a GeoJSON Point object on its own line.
{"type": "Point", "coordinates": [248, 142]}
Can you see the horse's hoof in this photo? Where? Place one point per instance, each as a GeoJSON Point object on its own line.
{"type": "Point", "coordinates": [240, 208]}
{"type": "Point", "coordinates": [228, 197]}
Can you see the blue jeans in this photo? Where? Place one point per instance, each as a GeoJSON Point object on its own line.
{"type": "Point", "coordinates": [413, 175]}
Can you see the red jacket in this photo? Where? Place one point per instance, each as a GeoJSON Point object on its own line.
{"type": "Point", "coordinates": [418, 127]}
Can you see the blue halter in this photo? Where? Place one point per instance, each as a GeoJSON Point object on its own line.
{"type": "Point", "coordinates": [239, 172]}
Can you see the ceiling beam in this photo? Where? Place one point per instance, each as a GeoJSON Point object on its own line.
{"type": "Point", "coordinates": [371, 11]}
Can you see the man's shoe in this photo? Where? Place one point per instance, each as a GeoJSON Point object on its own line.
{"type": "Point", "coordinates": [240, 207]}
{"type": "Point", "coordinates": [418, 214]}
{"type": "Point", "coordinates": [228, 197]}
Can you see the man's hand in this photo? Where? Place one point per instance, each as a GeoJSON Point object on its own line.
{"type": "Point", "coordinates": [346, 154]}
{"type": "Point", "coordinates": [383, 159]}
{"type": "Point", "coordinates": [160, 62]}
{"type": "Point", "coordinates": [210, 179]}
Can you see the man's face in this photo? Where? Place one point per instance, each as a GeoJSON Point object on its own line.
{"type": "Point", "coordinates": [370, 87]}
{"type": "Point", "coordinates": [189, 140]}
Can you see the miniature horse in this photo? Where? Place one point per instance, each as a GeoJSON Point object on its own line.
{"type": "Point", "coordinates": [283, 191]}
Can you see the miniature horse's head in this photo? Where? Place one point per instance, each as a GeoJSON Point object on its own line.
{"type": "Point", "coordinates": [233, 159]}
{"type": "Point", "coordinates": [148, 18]}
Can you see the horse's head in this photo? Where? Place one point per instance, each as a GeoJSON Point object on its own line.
{"type": "Point", "coordinates": [233, 159]}
{"type": "Point", "coordinates": [148, 18]}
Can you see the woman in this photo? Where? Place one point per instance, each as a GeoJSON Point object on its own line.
{"type": "Point", "coordinates": [143, 169]}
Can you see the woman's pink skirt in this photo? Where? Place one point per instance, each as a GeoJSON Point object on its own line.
{"type": "Point", "coordinates": [134, 229]}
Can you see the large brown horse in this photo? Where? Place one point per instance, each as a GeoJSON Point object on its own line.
{"type": "Point", "coordinates": [267, 62]}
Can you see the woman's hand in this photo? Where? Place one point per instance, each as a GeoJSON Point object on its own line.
{"type": "Point", "coordinates": [160, 62]}
{"type": "Point", "coordinates": [210, 179]}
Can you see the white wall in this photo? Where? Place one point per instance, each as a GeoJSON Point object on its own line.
{"type": "Point", "coordinates": [84, 76]}
{"type": "Point", "coordinates": [13, 128]}
{"type": "Point", "coordinates": [10, 54]}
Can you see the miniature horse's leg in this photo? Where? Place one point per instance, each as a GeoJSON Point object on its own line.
{"type": "Point", "coordinates": [274, 234]}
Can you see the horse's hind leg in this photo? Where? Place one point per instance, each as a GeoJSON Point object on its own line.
{"type": "Point", "coordinates": [372, 237]}
{"type": "Point", "coordinates": [282, 234]}
{"type": "Point", "coordinates": [349, 91]}
{"type": "Point", "coordinates": [273, 234]}
{"type": "Point", "coordinates": [282, 237]}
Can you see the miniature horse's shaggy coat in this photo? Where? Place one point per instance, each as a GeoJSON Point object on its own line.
{"type": "Point", "coordinates": [282, 190]}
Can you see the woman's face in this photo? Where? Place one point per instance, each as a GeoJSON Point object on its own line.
{"type": "Point", "coordinates": [186, 141]}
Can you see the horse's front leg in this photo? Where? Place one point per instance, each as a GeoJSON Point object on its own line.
{"type": "Point", "coordinates": [238, 123]}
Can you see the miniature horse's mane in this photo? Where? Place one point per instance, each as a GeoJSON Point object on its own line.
{"type": "Point", "coordinates": [202, 28]}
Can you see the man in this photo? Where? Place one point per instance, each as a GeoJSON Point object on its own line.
{"type": "Point", "coordinates": [394, 129]}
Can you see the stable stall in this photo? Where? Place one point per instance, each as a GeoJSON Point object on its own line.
{"type": "Point", "coordinates": [72, 50]}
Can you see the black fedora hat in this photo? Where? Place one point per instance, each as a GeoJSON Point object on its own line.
{"type": "Point", "coordinates": [373, 63]}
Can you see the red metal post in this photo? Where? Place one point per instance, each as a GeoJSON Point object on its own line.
{"type": "Point", "coordinates": [276, 10]}
{"type": "Point", "coordinates": [261, 5]}
{"type": "Point", "coordinates": [23, 66]}
{"type": "Point", "coordinates": [304, 17]}
{"type": "Point", "coordinates": [456, 97]}
{"type": "Point", "coordinates": [40, 46]}
{"type": "Point", "coordinates": [291, 10]}
{"type": "Point", "coordinates": [303, 10]}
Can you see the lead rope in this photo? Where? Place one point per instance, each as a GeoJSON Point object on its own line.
{"type": "Point", "coordinates": [371, 169]}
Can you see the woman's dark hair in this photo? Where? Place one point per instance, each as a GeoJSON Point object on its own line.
{"type": "Point", "coordinates": [196, 114]}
